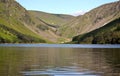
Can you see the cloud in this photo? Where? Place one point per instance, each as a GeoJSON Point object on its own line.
{"type": "Point", "coordinates": [77, 13]}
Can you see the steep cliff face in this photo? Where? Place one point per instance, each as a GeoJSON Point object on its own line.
{"type": "Point", "coordinates": [94, 19]}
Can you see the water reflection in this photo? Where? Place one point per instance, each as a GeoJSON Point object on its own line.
{"type": "Point", "coordinates": [37, 61]}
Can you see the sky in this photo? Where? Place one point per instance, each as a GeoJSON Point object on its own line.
{"type": "Point", "coordinates": [63, 6]}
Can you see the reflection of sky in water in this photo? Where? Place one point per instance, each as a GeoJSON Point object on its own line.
{"type": "Point", "coordinates": [63, 45]}
{"type": "Point", "coordinates": [58, 71]}
{"type": "Point", "coordinates": [75, 75]}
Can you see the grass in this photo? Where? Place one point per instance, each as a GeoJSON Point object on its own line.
{"type": "Point", "coordinates": [8, 35]}
{"type": "Point", "coordinates": [52, 19]}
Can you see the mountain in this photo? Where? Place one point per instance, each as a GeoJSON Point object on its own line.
{"type": "Point", "coordinates": [108, 34]}
{"type": "Point", "coordinates": [91, 20]}
{"type": "Point", "coordinates": [50, 24]}
{"type": "Point", "coordinates": [18, 25]}
{"type": "Point", "coordinates": [15, 23]}
{"type": "Point", "coordinates": [52, 19]}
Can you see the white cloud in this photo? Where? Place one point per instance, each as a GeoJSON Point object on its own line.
{"type": "Point", "coordinates": [78, 13]}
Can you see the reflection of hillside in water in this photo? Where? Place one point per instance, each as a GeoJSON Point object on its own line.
{"type": "Point", "coordinates": [101, 60]}
{"type": "Point", "coordinates": [59, 61]}
{"type": "Point", "coordinates": [89, 59]}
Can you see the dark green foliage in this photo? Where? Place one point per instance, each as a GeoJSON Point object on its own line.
{"type": "Point", "coordinates": [108, 34]}
{"type": "Point", "coordinates": [21, 38]}
{"type": "Point", "coordinates": [118, 28]}
{"type": "Point", "coordinates": [108, 38]}
{"type": "Point", "coordinates": [2, 40]}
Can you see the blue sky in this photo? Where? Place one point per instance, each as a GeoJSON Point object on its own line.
{"type": "Point", "coordinates": [62, 6]}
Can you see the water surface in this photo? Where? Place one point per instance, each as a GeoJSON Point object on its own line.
{"type": "Point", "coordinates": [31, 60]}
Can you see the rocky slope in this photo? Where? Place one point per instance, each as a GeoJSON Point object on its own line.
{"type": "Point", "coordinates": [92, 20]}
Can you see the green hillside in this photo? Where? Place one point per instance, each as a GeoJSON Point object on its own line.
{"type": "Point", "coordinates": [31, 24]}
{"type": "Point", "coordinates": [108, 34]}
{"type": "Point", "coordinates": [14, 17]}
{"type": "Point", "coordinates": [91, 20]}
{"type": "Point", "coordinates": [18, 25]}
{"type": "Point", "coordinates": [52, 19]}
{"type": "Point", "coordinates": [8, 35]}
{"type": "Point", "coordinates": [44, 25]}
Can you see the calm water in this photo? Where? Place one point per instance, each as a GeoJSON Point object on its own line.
{"type": "Point", "coordinates": [52, 60]}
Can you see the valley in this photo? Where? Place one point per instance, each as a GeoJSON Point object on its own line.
{"type": "Point", "coordinates": [18, 25]}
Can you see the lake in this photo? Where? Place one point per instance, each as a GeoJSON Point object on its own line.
{"type": "Point", "coordinates": [59, 60]}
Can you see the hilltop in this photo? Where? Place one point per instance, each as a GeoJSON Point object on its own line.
{"type": "Point", "coordinates": [52, 19]}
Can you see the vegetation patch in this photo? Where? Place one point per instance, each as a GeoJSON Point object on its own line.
{"type": "Point", "coordinates": [8, 35]}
